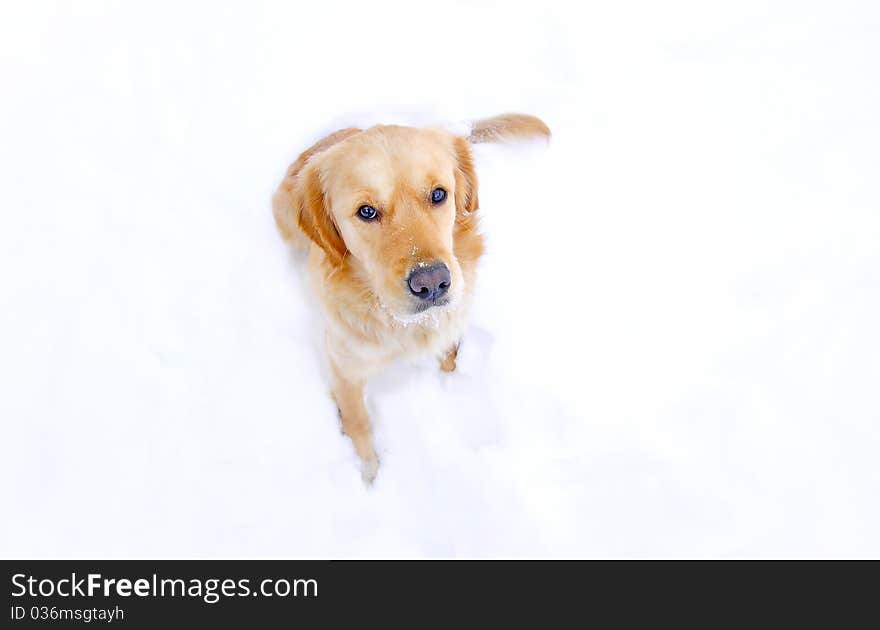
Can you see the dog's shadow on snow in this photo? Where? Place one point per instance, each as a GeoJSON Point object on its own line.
{"type": "Point", "coordinates": [312, 320]}
{"type": "Point", "coordinates": [418, 396]}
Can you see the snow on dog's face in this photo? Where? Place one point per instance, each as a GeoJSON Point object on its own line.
{"type": "Point", "coordinates": [387, 200]}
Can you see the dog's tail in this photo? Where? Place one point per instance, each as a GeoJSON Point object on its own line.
{"type": "Point", "coordinates": [508, 128]}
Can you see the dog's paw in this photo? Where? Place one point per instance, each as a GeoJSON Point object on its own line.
{"type": "Point", "coordinates": [447, 361]}
{"type": "Point", "coordinates": [447, 364]}
{"type": "Point", "coordinates": [369, 469]}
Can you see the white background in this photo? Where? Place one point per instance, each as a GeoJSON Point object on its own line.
{"type": "Point", "coordinates": [675, 346]}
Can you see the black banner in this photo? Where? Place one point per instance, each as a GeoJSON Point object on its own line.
{"type": "Point", "coordinates": [151, 594]}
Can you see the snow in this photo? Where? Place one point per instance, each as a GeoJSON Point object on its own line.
{"type": "Point", "coordinates": [674, 349]}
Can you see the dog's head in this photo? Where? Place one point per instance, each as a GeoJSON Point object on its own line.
{"type": "Point", "coordinates": [388, 200]}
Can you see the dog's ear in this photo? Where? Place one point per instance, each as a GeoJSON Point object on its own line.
{"type": "Point", "coordinates": [466, 199]}
{"type": "Point", "coordinates": [313, 216]}
{"type": "Point", "coordinates": [508, 128]}
{"type": "Point", "coordinates": [299, 205]}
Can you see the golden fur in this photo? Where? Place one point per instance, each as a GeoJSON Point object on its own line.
{"type": "Point", "coordinates": [358, 269]}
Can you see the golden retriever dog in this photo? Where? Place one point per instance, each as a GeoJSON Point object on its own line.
{"type": "Point", "coordinates": [389, 217]}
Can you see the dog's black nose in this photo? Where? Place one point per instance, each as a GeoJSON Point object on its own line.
{"type": "Point", "coordinates": [429, 282]}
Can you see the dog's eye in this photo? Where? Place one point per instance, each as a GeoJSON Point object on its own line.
{"type": "Point", "coordinates": [438, 195]}
{"type": "Point", "coordinates": [367, 213]}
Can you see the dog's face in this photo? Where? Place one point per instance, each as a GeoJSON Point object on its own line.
{"type": "Point", "coordinates": [389, 197]}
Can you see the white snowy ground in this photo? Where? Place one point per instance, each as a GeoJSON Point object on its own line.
{"type": "Point", "coordinates": [675, 349]}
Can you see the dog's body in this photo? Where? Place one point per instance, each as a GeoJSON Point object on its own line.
{"type": "Point", "coordinates": [389, 214]}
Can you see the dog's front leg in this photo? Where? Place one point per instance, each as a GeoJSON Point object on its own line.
{"type": "Point", "coordinates": [349, 398]}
